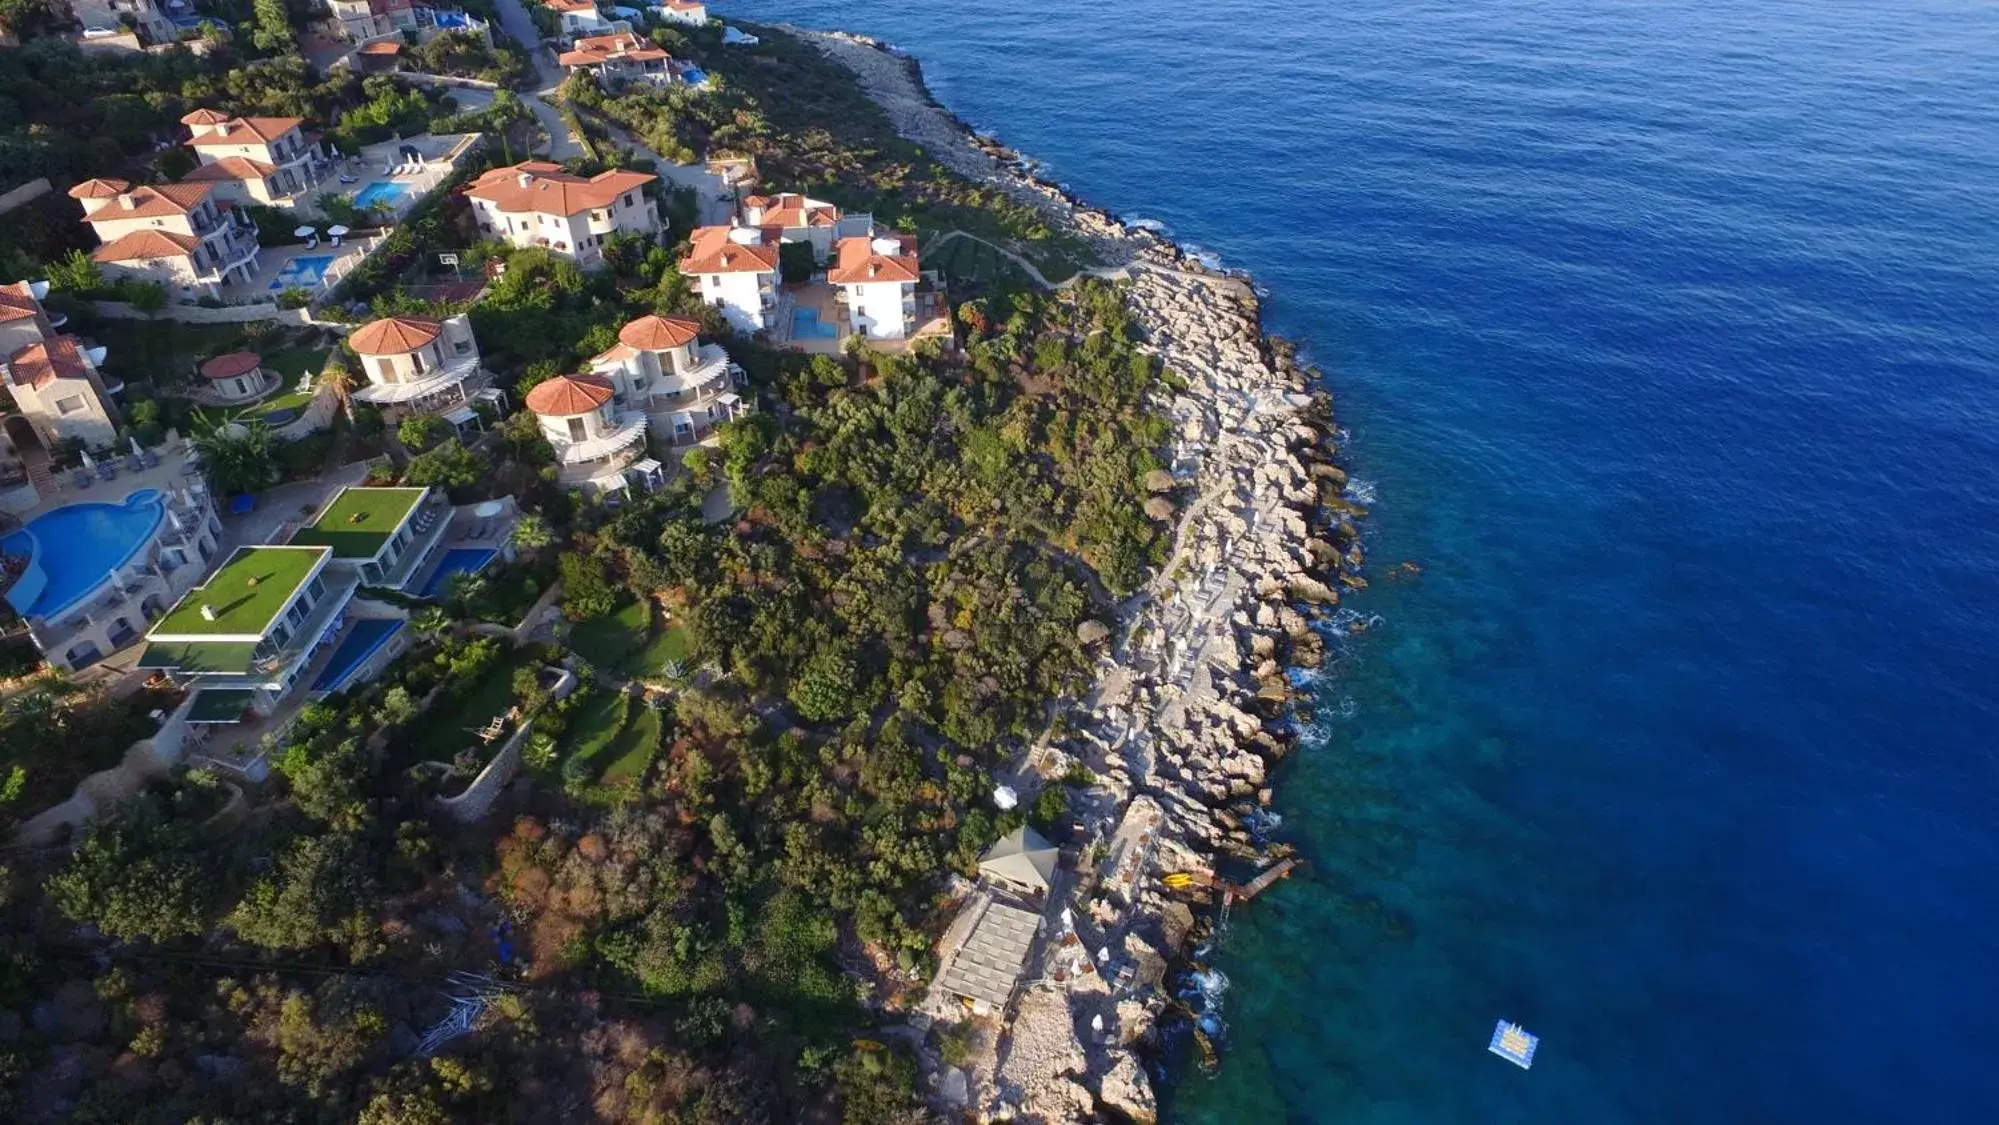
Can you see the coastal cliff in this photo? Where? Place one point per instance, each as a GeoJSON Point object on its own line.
{"type": "Point", "coordinates": [1190, 708]}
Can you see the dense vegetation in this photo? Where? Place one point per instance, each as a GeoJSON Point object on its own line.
{"type": "Point", "coordinates": [724, 857]}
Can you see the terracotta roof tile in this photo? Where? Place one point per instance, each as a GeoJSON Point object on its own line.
{"type": "Point", "coordinates": [260, 129]}
{"type": "Point", "coordinates": [568, 395]}
{"type": "Point", "coordinates": [45, 361]}
{"type": "Point", "coordinates": [205, 117]}
{"type": "Point", "coordinates": [715, 252]}
{"type": "Point", "coordinates": [144, 244]}
{"type": "Point", "coordinates": [152, 201]}
{"type": "Point", "coordinates": [17, 302]}
{"type": "Point", "coordinates": [230, 168]}
{"type": "Point", "coordinates": [549, 190]}
{"type": "Point", "coordinates": [592, 50]}
{"type": "Point", "coordinates": [394, 335]}
{"type": "Point", "coordinates": [100, 189]}
{"type": "Point", "coordinates": [658, 333]}
{"type": "Point", "coordinates": [860, 264]}
{"type": "Point", "coordinates": [231, 364]}
{"type": "Point", "coordinates": [790, 211]}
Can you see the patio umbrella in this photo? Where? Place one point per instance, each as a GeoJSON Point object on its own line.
{"type": "Point", "coordinates": [310, 235]}
{"type": "Point", "coordinates": [136, 451]}
{"type": "Point", "coordinates": [87, 462]}
{"type": "Point", "coordinates": [336, 232]}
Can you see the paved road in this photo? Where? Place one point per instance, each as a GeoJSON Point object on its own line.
{"type": "Point", "coordinates": [548, 77]}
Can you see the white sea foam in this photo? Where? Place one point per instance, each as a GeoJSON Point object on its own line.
{"type": "Point", "coordinates": [1203, 255]}
{"type": "Point", "coordinates": [1153, 225]}
{"type": "Point", "coordinates": [1360, 491]}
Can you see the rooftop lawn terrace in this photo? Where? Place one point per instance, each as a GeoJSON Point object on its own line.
{"type": "Point", "coordinates": [359, 521]}
{"type": "Point", "coordinates": [246, 594]}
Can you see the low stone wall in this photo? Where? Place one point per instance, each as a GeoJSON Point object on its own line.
{"type": "Point", "coordinates": [478, 798]}
{"type": "Point", "coordinates": [33, 189]}
{"type": "Point", "coordinates": [199, 314]}
{"type": "Point", "coordinates": [318, 414]}
{"type": "Point", "coordinates": [447, 80]}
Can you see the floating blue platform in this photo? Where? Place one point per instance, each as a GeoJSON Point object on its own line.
{"type": "Point", "coordinates": [1514, 1043]}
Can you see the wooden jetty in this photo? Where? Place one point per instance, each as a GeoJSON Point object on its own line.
{"type": "Point", "coordinates": [1279, 870]}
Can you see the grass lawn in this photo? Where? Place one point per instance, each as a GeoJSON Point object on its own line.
{"type": "Point", "coordinates": [667, 644]}
{"type": "Point", "coordinates": [634, 748]}
{"type": "Point", "coordinates": [245, 594]}
{"type": "Point", "coordinates": [616, 736]}
{"type": "Point", "coordinates": [294, 364]}
{"type": "Point", "coordinates": [598, 727]}
{"type": "Point", "coordinates": [447, 730]}
{"type": "Point", "coordinates": [359, 521]}
{"type": "Point", "coordinates": [606, 641]}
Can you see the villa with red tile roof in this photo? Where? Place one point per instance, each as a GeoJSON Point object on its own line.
{"type": "Point", "coordinates": [264, 160]}
{"type": "Point", "coordinates": [415, 365]}
{"type": "Point", "coordinates": [172, 234]}
{"type": "Point", "coordinates": [619, 58]}
{"type": "Point", "coordinates": [579, 17]}
{"type": "Point", "coordinates": [878, 278]}
{"type": "Point", "coordinates": [736, 270]}
{"type": "Point", "coordinates": [362, 20]}
{"type": "Point", "coordinates": [536, 203]}
{"type": "Point", "coordinates": [693, 13]}
{"type": "Point", "coordinates": [685, 387]}
{"type": "Point", "coordinates": [799, 218]}
{"type": "Point", "coordinates": [52, 376]}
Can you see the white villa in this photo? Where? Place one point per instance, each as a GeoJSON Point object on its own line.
{"type": "Point", "coordinates": [693, 13]}
{"type": "Point", "coordinates": [93, 573]}
{"type": "Point", "coordinates": [152, 24]}
{"type": "Point", "coordinates": [595, 437]}
{"type": "Point", "coordinates": [536, 203]}
{"type": "Point", "coordinates": [418, 366]}
{"type": "Point", "coordinates": [798, 218]}
{"type": "Point", "coordinates": [877, 277]}
{"type": "Point", "coordinates": [736, 270]}
{"type": "Point", "coordinates": [620, 57]}
{"type": "Point", "coordinates": [579, 17]}
{"type": "Point", "coordinates": [264, 160]}
{"type": "Point", "coordinates": [251, 630]}
{"type": "Point", "coordinates": [52, 377]}
{"type": "Point", "coordinates": [173, 234]}
{"type": "Point", "coordinates": [684, 387]}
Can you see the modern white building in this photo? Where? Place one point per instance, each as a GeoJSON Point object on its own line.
{"type": "Point", "coordinates": [536, 203]}
{"type": "Point", "coordinates": [736, 270]}
{"type": "Point", "coordinates": [684, 387]}
{"type": "Point", "coordinates": [172, 234]}
{"type": "Point", "coordinates": [414, 365]}
{"type": "Point", "coordinates": [595, 437]}
{"type": "Point", "coordinates": [266, 160]}
{"type": "Point", "coordinates": [382, 535]}
{"type": "Point", "coordinates": [250, 631]}
{"type": "Point", "coordinates": [878, 278]}
{"type": "Point", "coordinates": [54, 380]}
{"type": "Point", "coordinates": [88, 576]}
{"type": "Point", "coordinates": [143, 16]}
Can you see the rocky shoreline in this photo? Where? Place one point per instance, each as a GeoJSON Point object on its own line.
{"type": "Point", "coordinates": [1192, 705]}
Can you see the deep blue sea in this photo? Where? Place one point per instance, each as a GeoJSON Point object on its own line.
{"type": "Point", "coordinates": [1668, 337]}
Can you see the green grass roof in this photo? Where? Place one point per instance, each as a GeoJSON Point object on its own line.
{"type": "Point", "coordinates": [218, 657]}
{"type": "Point", "coordinates": [246, 593]}
{"type": "Point", "coordinates": [219, 705]}
{"type": "Point", "coordinates": [359, 521]}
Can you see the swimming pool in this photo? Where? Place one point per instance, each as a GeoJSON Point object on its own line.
{"type": "Point", "coordinates": [302, 273]}
{"type": "Point", "coordinates": [381, 191]}
{"type": "Point", "coordinates": [458, 560]}
{"type": "Point", "coordinates": [805, 325]}
{"type": "Point", "coordinates": [72, 550]}
{"type": "Point", "coordinates": [369, 634]}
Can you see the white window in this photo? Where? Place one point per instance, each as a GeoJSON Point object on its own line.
{"type": "Point", "coordinates": [70, 405]}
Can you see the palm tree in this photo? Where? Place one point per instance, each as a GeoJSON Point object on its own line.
{"type": "Point", "coordinates": [237, 454]}
{"type": "Point", "coordinates": [531, 534]}
{"type": "Point", "coordinates": [430, 622]}
{"type": "Point", "coordinates": [337, 378]}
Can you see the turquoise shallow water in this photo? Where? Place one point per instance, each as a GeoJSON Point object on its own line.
{"type": "Point", "coordinates": [77, 546]}
{"type": "Point", "coordinates": [1664, 333]}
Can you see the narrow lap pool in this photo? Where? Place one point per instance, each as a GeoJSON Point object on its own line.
{"type": "Point", "coordinates": [72, 550]}
{"type": "Point", "coordinates": [369, 635]}
{"type": "Point", "coordinates": [458, 560]}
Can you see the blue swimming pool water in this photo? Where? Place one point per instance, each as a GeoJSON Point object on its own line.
{"type": "Point", "coordinates": [302, 273]}
{"type": "Point", "coordinates": [368, 635]}
{"type": "Point", "coordinates": [75, 547]}
{"type": "Point", "coordinates": [694, 75]}
{"type": "Point", "coordinates": [805, 325]}
{"type": "Point", "coordinates": [381, 191]}
{"type": "Point", "coordinates": [458, 560]}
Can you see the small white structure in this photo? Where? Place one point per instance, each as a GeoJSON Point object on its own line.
{"type": "Point", "coordinates": [594, 437]}
{"type": "Point", "coordinates": [693, 13]}
{"type": "Point", "coordinates": [685, 387]}
{"type": "Point", "coordinates": [536, 203]}
{"type": "Point", "coordinates": [878, 277]}
{"type": "Point", "coordinates": [53, 377]}
{"type": "Point", "coordinates": [235, 378]}
{"type": "Point", "coordinates": [736, 270]}
{"type": "Point", "coordinates": [579, 17]}
{"type": "Point", "coordinates": [418, 366]}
